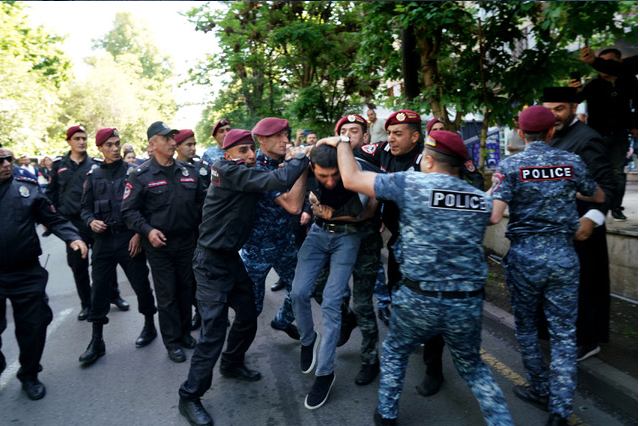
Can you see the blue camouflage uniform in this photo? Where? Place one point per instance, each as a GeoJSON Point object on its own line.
{"type": "Point", "coordinates": [271, 244]}
{"type": "Point", "coordinates": [541, 266]}
{"type": "Point", "coordinates": [442, 223]}
{"type": "Point", "coordinates": [212, 154]}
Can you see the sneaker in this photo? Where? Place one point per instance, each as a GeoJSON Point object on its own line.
{"type": "Point", "coordinates": [587, 351]}
{"type": "Point", "coordinates": [290, 329]}
{"type": "Point", "coordinates": [309, 355]}
{"type": "Point", "coordinates": [319, 391]}
{"type": "Point", "coordinates": [527, 394]}
{"type": "Point", "coordinates": [617, 215]}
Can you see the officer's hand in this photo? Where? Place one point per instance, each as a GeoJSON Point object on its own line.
{"type": "Point", "coordinates": [157, 238]}
{"type": "Point", "coordinates": [634, 133]}
{"type": "Point", "coordinates": [588, 55]}
{"type": "Point", "coordinates": [575, 83]}
{"type": "Point", "coordinates": [322, 211]}
{"type": "Point", "coordinates": [585, 228]}
{"type": "Point", "coordinates": [305, 218]}
{"type": "Point", "coordinates": [80, 245]}
{"type": "Point", "coordinates": [98, 226]}
{"type": "Point", "coordinates": [382, 228]}
{"type": "Point", "coordinates": [134, 245]}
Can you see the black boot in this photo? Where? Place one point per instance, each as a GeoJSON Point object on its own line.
{"type": "Point", "coordinates": [349, 322]}
{"type": "Point", "coordinates": [432, 356]}
{"type": "Point", "coordinates": [148, 332]}
{"type": "Point", "coordinates": [196, 321]}
{"type": "Point", "coordinates": [96, 347]}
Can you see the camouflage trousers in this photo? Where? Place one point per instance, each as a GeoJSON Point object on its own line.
{"type": "Point", "coordinates": [544, 271]}
{"type": "Point", "coordinates": [365, 273]}
{"type": "Point", "coordinates": [416, 318]}
{"type": "Point", "coordinates": [282, 256]}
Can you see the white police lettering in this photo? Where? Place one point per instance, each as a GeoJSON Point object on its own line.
{"type": "Point", "coordinates": [453, 200]}
{"type": "Point", "coordinates": [546, 173]}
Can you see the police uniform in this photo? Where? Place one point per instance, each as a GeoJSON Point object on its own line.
{"type": "Point", "coordinates": [65, 192]}
{"type": "Point", "coordinates": [168, 199]}
{"type": "Point", "coordinates": [228, 214]}
{"type": "Point", "coordinates": [271, 244]}
{"type": "Point", "coordinates": [541, 266]}
{"type": "Point", "coordinates": [22, 279]}
{"type": "Point", "coordinates": [442, 224]}
{"type": "Point", "coordinates": [102, 199]}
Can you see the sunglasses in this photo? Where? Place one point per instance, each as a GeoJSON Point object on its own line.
{"type": "Point", "coordinates": [8, 158]}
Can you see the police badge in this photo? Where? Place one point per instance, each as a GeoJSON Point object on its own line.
{"type": "Point", "coordinates": [24, 191]}
{"type": "Point", "coordinates": [185, 172]}
{"type": "Point", "coordinates": [203, 171]}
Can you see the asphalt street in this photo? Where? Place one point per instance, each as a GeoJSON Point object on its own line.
{"type": "Point", "coordinates": [130, 386]}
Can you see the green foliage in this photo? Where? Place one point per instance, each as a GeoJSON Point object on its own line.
{"type": "Point", "coordinates": [287, 59]}
{"type": "Point", "coordinates": [33, 69]}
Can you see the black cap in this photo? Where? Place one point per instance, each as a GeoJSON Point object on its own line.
{"type": "Point", "coordinates": [560, 94]}
{"type": "Point", "coordinates": [160, 128]}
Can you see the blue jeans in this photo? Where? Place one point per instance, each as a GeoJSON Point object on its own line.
{"type": "Point", "coordinates": [340, 250]}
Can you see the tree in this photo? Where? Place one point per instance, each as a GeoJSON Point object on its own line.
{"type": "Point", "coordinates": [483, 57]}
{"type": "Point", "coordinates": [283, 58]}
{"type": "Point", "coordinates": [33, 69]}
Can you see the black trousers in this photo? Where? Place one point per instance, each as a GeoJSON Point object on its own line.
{"type": "Point", "coordinates": [109, 251]}
{"type": "Point", "coordinates": [31, 313]}
{"type": "Point", "coordinates": [80, 267]}
{"type": "Point", "coordinates": [172, 271]}
{"type": "Point", "coordinates": [223, 282]}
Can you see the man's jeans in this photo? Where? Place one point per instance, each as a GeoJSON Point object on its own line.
{"type": "Point", "coordinates": [320, 247]}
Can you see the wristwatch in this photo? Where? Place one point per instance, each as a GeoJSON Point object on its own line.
{"type": "Point", "coordinates": [344, 138]}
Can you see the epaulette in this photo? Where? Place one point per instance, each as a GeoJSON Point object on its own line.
{"type": "Point", "coordinates": [27, 180]}
{"type": "Point", "coordinates": [89, 172]}
{"type": "Point", "coordinates": [98, 159]}
{"type": "Point", "coordinates": [185, 163]}
{"type": "Point", "coordinates": [206, 163]}
{"type": "Point", "coordinates": [57, 159]}
{"type": "Point", "coordinates": [142, 168]}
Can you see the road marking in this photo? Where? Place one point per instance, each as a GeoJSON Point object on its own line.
{"type": "Point", "coordinates": [13, 368]}
{"type": "Point", "coordinates": [517, 379]}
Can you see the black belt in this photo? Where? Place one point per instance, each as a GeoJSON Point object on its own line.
{"type": "Point", "coordinates": [337, 227]}
{"type": "Point", "coordinates": [118, 229]}
{"type": "Point", "coordinates": [415, 286]}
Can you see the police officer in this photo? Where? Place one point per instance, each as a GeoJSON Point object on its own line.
{"type": "Point", "coordinates": [223, 282]}
{"type": "Point", "coordinates": [115, 244]}
{"type": "Point", "coordinates": [443, 222]}
{"type": "Point", "coordinates": [186, 150]}
{"type": "Point", "coordinates": [68, 174]}
{"type": "Point", "coordinates": [163, 202]}
{"type": "Point", "coordinates": [271, 242]}
{"type": "Point", "coordinates": [22, 279]}
{"type": "Point", "coordinates": [220, 130]}
{"type": "Point", "coordinates": [539, 185]}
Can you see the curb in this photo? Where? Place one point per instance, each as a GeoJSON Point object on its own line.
{"type": "Point", "coordinates": [610, 384]}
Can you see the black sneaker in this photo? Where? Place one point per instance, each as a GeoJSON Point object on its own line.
{"type": "Point", "coordinates": [290, 329]}
{"type": "Point", "coordinates": [527, 394]}
{"type": "Point", "coordinates": [617, 215]}
{"type": "Point", "coordinates": [587, 351]}
{"type": "Point", "coordinates": [319, 391]}
{"type": "Point", "coordinates": [309, 355]}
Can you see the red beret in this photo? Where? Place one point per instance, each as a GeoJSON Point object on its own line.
{"type": "Point", "coordinates": [351, 118]}
{"type": "Point", "coordinates": [73, 130]}
{"type": "Point", "coordinates": [432, 122]}
{"type": "Point", "coordinates": [104, 134]}
{"type": "Point", "coordinates": [270, 126]}
{"type": "Point", "coordinates": [237, 137]}
{"type": "Point", "coordinates": [536, 119]}
{"type": "Point", "coordinates": [183, 135]}
{"type": "Point", "coordinates": [446, 143]}
{"type": "Point", "coordinates": [402, 116]}
{"type": "Point", "coordinates": [222, 122]}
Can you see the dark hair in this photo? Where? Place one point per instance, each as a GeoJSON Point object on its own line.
{"type": "Point", "coordinates": [312, 133]}
{"type": "Point", "coordinates": [416, 127]}
{"type": "Point", "coordinates": [449, 162]}
{"type": "Point", "coordinates": [535, 136]}
{"type": "Point", "coordinates": [324, 156]}
{"type": "Point", "coordinates": [616, 52]}
{"type": "Point", "coordinates": [127, 151]}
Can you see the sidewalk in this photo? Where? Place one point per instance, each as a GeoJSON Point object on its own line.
{"type": "Point", "coordinates": [611, 374]}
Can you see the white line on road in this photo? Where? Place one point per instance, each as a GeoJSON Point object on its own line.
{"type": "Point", "coordinates": [13, 368]}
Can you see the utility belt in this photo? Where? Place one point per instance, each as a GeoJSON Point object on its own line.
{"type": "Point", "coordinates": [415, 287]}
{"type": "Point", "coordinates": [336, 228]}
{"type": "Point", "coordinates": [118, 229]}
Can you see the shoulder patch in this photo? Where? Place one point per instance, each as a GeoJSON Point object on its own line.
{"type": "Point", "coordinates": [496, 181]}
{"type": "Point", "coordinates": [455, 200]}
{"type": "Point", "coordinates": [369, 148]}
{"type": "Point", "coordinates": [470, 166]}
{"type": "Point", "coordinates": [215, 176]}
{"type": "Point", "coordinates": [62, 169]}
{"type": "Point", "coordinates": [203, 171]}
{"type": "Point", "coordinates": [127, 190]}
{"type": "Point", "coordinates": [27, 180]}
